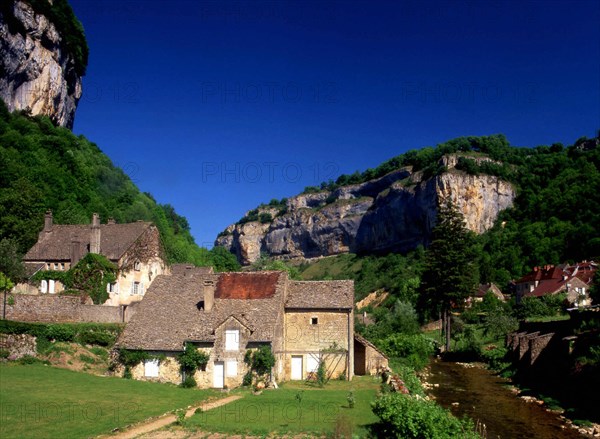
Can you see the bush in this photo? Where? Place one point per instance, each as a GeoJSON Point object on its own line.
{"type": "Point", "coordinates": [60, 332]}
{"type": "Point", "coordinates": [412, 350]}
{"type": "Point", "coordinates": [4, 353]}
{"type": "Point", "coordinates": [192, 359]}
{"type": "Point", "coordinates": [495, 357]}
{"type": "Point", "coordinates": [247, 380]}
{"type": "Point", "coordinates": [189, 382]}
{"type": "Point", "coordinates": [402, 416]}
{"type": "Point", "coordinates": [101, 338]}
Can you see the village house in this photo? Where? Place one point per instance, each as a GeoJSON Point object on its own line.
{"type": "Point", "coordinates": [481, 292]}
{"type": "Point", "coordinates": [574, 280]}
{"type": "Point", "coordinates": [135, 248]}
{"type": "Point", "coordinates": [227, 314]}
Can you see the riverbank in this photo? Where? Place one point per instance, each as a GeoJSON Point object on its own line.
{"type": "Point", "coordinates": [472, 390]}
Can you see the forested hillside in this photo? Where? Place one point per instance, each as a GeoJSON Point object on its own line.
{"type": "Point", "coordinates": [47, 167]}
{"type": "Point", "coordinates": [556, 211]}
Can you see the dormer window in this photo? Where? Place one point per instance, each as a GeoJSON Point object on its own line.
{"type": "Point", "coordinates": [137, 265]}
{"type": "Point", "coordinates": [232, 340]}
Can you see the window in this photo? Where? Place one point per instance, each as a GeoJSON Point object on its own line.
{"type": "Point", "coordinates": [314, 320]}
{"type": "Point", "coordinates": [231, 368]}
{"type": "Point", "coordinates": [232, 340]}
{"type": "Point", "coordinates": [55, 266]}
{"type": "Point", "coordinates": [62, 266]}
{"type": "Point", "coordinates": [137, 265]}
{"type": "Point", "coordinates": [112, 288]}
{"type": "Point", "coordinates": [137, 288]}
{"type": "Point", "coordinates": [151, 368]}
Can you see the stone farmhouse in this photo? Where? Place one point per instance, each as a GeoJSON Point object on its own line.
{"type": "Point", "coordinates": [575, 280]}
{"type": "Point", "coordinates": [227, 314]}
{"type": "Point", "coordinates": [135, 248]}
{"type": "Point", "coordinates": [481, 292]}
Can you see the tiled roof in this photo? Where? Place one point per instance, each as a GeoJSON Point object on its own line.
{"type": "Point", "coordinates": [171, 313]}
{"type": "Point", "coordinates": [553, 279]}
{"type": "Point", "coordinates": [115, 239]}
{"type": "Point", "coordinates": [258, 285]}
{"type": "Point", "coordinates": [190, 269]}
{"type": "Point", "coordinates": [337, 294]}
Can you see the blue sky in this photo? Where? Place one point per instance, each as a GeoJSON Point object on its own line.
{"type": "Point", "coordinates": [215, 107]}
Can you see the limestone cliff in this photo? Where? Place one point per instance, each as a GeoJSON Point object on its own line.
{"type": "Point", "coordinates": [392, 213]}
{"type": "Point", "coordinates": [38, 70]}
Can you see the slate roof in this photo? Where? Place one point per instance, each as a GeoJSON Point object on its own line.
{"type": "Point", "coordinates": [170, 313]}
{"type": "Point", "coordinates": [337, 294]}
{"type": "Point", "coordinates": [115, 239]}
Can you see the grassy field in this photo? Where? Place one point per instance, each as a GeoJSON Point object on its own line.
{"type": "Point", "coordinates": [295, 408]}
{"type": "Point", "coordinates": [38, 401]}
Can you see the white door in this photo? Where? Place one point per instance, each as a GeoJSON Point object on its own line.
{"type": "Point", "coordinates": [219, 375]}
{"type": "Point", "coordinates": [51, 287]}
{"type": "Point", "coordinates": [296, 367]}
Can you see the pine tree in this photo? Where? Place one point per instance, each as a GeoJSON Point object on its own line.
{"type": "Point", "coordinates": [450, 269]}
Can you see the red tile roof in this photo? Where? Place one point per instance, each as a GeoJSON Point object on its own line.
{"type": "Point", "coordinates": [551, 279]}
{"type": "Point", "coordinates": [247, 285]}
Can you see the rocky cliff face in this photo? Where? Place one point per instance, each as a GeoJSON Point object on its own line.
{"type": "Point", "coordinates": [394, 213]}
{"type": "Point", "coordinates": [37, 73]}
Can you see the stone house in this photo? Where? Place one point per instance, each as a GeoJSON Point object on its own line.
{"type": "Point", "coordinates": [482, 290]}
{"type": "Point", "coordinates": [135, 248]}
{"type": "Point", "coordinates": [368, 359]}
{"type": "Point", "coordinates": [227, 314]}
{"type": "Point", "coordinates": [575, 280]}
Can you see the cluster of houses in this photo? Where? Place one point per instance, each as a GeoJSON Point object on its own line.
{"type": "Point", "coordinates": [305, 323]}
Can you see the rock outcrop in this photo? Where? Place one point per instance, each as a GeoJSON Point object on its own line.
{"type": "Point", "coordinates": [37, 72]}
{"type": "Point", "coordinates": [393, 213]}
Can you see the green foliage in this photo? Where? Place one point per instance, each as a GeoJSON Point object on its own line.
{"type": "Point", "coordinates": [545, 306]}
{"type": "Point", "coordinates": [261, 360]}
{"type": "Point", "coordinates": [87, 359]}
{"type": "Point", "coordinates": [61, 332]}
{"type": "Point", "coordinates": [222, 260]}
{"type": "Point", "coordinates": [247, 380]}
{"type": "Point", "coordinates": [192, 359]}
{"type": "Point", "coordinates": [351, 400]}
{"type": "Point", "coordinates": [264, 263]}
{"type": "Point", "coordinates": [402, 416]}
{"type": "Point", "coordinates": [498, 324]}
{"type": "Point", "coordinates": [46, 167]}
{"type": "Point", "coordinates": [410, 350]}
{"type": "Point", "coordinates": [189, 382]}
{"type": "Point", "coordinates": [4, 353]}
{"type": "Point", "coordinates": [5, 283]}
{"type": "Point", "coordinates": [10, 261]}
{"type": "Point", "coordinates": [95, 337]}
{"type": "Point", "coordinates": [495, 357]}
{"type": "Point", "coordinates": [131, 358]}
{"type": "Point", "coordinates": [321, 374]}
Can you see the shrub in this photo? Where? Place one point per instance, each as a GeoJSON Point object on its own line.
{"type": "Point", "coordinates": [192, 359]}
{"type": "Point", "coordinates": [87, 359]}
{"type": "Point", "coordinates": [412, 350]}
{"type": "Point", "coordinates": [321, 374]}
{"type": "Point", "coordinates": [261, 360]}
{"type": "Point", "coordinates": [402, 416]}
{"type": "Point", "coordinates": [28, 359]}
{"type": "Point", "coordinates": [189, 382]}
{"type": "Point", "coordinates": [102, 338]}
{"type": "Point", "coordinates": [60, 332]}
{"type": "Point", "coordinates": [4, 353]}
{"type": "Point", "coordinates": [247, 380]}
{"type": "Point", "coordinates": [495, 357]}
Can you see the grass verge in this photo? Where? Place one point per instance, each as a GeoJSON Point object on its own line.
{"type": "Point", "coordinates": [40, 401]}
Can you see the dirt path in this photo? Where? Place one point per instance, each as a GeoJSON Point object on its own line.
{"type": "Point", "coordinates": [163, 421]}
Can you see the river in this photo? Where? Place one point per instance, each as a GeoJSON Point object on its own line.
{"type": "Point", "coordinates": [485, 397]}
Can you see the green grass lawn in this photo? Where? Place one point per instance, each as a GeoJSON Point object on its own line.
{"type": "Point", "coordinates": [280, 411]}
{"type": "Point", "coordinates": [38, 401]}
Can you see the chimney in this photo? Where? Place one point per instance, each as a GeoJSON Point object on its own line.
{"type": "Point", "coordinates": [48, 221]}
{"type": "Point", "coordinates": [95, 234]}
{"type": "Point", "coordinates": [75, 254]}
{"type": "Point", "coordinates": [209, 294]}
{"type": "Point", "coordinates": [111, 220]}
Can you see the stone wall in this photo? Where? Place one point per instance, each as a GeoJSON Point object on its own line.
{"type": "Point", "coordinates": [61, 309]}
{"type": "Point", "coordinates": [18, 345]}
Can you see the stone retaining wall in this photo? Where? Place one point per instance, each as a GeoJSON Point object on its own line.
{"type": "Point", "coordinates": [61, 309]}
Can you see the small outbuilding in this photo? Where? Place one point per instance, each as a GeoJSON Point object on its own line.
{"type": "Point", "coordinates": [368, 359]}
